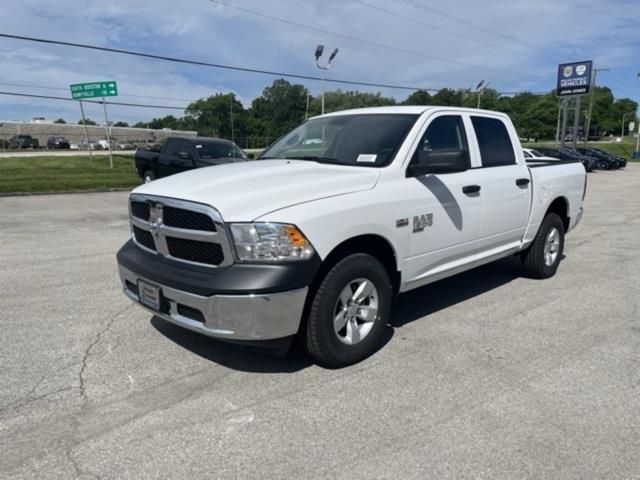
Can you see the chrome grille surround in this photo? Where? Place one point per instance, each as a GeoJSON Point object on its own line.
{"type": "Point", "coordinates": [160, 231]}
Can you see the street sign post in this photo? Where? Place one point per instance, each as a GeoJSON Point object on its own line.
{"type": "Point", "coordinates": [574, 80]}
{"type": "Point", "coordinates": [109, 88]}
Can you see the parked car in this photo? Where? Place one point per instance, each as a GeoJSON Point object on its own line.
{"type": "Point", "coordinates": [589, 163]}
{"type": "Point", "coordinates": [74, 146]}
{"type": "Point", "coordinates": [23, 141]}
{"type": "Point", "coordinates": [317, 246]}
{"type": "Point", "coordinates": [124, 146]}
{"type": "Point", "coordinates": [620, 159]}
{"type": "Point", "coordinates": [92, 145]}
{"type": "Point", "coordinates": [178, 154]}
{"type": "Point", "coordinates": [58, 143]}
{"type": "Point", "coordinates": [605, 161]}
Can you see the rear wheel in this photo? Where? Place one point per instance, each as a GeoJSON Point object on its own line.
{"type": "Point", "coordinates": [349, 312]}
{"type": "Point", "coordinates": [543, 256]}
{"type": "Point", "coordinates": [604, 166]}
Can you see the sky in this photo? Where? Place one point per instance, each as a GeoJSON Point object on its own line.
{"type": "Point", "coordinates": [515, 45]}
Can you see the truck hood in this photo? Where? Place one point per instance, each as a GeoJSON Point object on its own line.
{"type": "Point", "coordinates": [248, 190]}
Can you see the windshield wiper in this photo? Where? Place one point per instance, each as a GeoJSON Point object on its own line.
{"type": "Point", "coordinates": [330, 160]}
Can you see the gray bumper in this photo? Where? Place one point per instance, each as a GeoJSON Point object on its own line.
{"type": "Point", "coordinates": [234, 317]}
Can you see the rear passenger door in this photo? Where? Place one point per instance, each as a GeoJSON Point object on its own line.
{"type": "Point", "coordinates": [177, 157]}
{"type": "Point", "coordinates": [505, 180]}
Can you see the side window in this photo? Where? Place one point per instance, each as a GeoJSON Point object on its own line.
{"type": "Point", "coordinates": [444, 133]}
{"type": "Point", "coordinates": [173, 147]}
{"type": "Point", "coordinates": [527, 155]}
{"type": "Point", "coordinates": [495, 145]}
{"type": "Point", "coordinates": [186, 147]}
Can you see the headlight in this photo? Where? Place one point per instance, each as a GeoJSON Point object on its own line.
{"type": "Point", "coordinates": [270, 242]}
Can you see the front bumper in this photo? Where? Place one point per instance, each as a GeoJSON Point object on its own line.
{"type": "Point", "coordinates": [247, 317]}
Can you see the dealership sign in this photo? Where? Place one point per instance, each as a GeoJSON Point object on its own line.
{"type": "Point", "coordinates": [80, 91]}
{"type": "Point", "coordinates": [574, 78]}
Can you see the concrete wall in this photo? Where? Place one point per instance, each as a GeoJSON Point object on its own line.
{"type": "Point", "coordinates": [75, 133]}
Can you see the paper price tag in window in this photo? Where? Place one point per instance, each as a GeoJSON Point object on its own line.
{"type": "Point", "coordinates": [366, 158]}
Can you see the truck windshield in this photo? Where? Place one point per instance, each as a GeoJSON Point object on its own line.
{"type": "Point", "coordinates": [367, 140]}
{"type": "Point", "coordinates": [207, 151]}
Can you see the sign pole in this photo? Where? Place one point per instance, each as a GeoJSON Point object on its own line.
{"type": "Point", "coordinates": [86, 132]}
{"type": "Point", "coordinates": [107, 128]}
{"type": "Point", "coordinates": [576, 121]}
{"type": "Point", "coordinates": [563, 132]}
{"type": "Point", "coordinates": [638, 139]}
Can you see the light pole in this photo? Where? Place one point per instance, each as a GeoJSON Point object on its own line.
{"type": "Point", "coordinates": [480, 88]}
{"type": "Point", "coordinates": [636, 154]}
{"type": "Point", "coordinates": [324, 68]}
{"type": "Point", "coordinates": [593, 88]}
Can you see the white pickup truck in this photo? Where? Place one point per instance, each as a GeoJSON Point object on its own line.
{"type": "Point", "coordinates": [338, 217]}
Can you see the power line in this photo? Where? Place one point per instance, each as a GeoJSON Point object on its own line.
{"type": "Point", "coordinates": [121, 104]}
{"type": "Point", "coordinates": [471, 24]}
{"type": "Point", "coordinates": [208, 64]}
{"type": "Point", "coordinates": [434, 27]}
{"type": "Point", "coordinates": [360, 40]}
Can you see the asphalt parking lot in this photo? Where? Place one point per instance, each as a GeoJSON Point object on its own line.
{"type": "Point", "coordinates": [484, 375]}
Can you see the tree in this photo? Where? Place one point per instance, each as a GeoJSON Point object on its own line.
{"type": "Point", "coordinates": [338, 100]}
{"type": "Point", "coordinates": [59, 120]}
{"type": "Point", "coordinates": [87, 122]}
{"type": "Point", "coordinates": [141, 125]}
{"type": "Point", "coordinates": [211, 116]}
{"type": "Point", "coordinates": [281, 107]}
{"type": "Point", "coordinates": [121, 124]}
{"type": "Point", "coordinates": [419, 97]}
{"type": "Point", "coordinates": [448, 97]}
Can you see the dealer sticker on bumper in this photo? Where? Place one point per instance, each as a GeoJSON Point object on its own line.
{"type": "Point", "coordinates": [149, 295]}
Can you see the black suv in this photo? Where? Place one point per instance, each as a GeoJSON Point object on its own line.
{"type": "Point", "coordinates": [23, 141]}
{"type": "Point", "coordinates": [58, 143]}
{"type": "Point", "coordinates": [605, 161]}
{"type": "Point", "coordinates": [568, 154]}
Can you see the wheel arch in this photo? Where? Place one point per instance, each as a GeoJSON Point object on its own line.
{"type": "Point", "coordinates": [560, 206]}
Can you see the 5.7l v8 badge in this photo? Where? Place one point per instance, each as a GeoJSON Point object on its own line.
{"type": "Point", "coordinates": [420, 222]}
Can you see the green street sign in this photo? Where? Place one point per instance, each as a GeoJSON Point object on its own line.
{"type": "Point", "coordinates": [80, 91]}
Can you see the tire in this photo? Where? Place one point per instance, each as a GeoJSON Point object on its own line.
{"type": "Point", "coordinates": [148, 176]}
{"type": "Point", "coordinates": [604, 166]}
{"type": "Point", "coordinates": [357, 339]}
{"type": "Point", "coordinates": [543, 256]}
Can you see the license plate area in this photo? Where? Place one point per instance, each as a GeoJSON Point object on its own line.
{"type": "Point", "coordinates": [150, 295]}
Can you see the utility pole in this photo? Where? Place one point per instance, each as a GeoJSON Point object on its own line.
{"type": "Point", "coordinates": [324, 68]}
{"type": "Point", "coordinates": [591, 94]}
{"type": "Point", "coordinates": [233, 138]}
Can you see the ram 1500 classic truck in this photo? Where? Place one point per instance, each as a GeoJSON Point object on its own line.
{"type": "Point", "coordinates": [339, 216]}
{"type": "Point", "coordinates": [178, 154]}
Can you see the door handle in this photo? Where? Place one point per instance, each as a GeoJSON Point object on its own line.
{"type": "Point", "coordinates": [521, 182]}
{"type": "Point", "coordinates": [471, 189]}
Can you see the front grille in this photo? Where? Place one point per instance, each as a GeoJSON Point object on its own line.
{"type": "Point", "coordinates": [144, 238]}
{"type": "Point", "coordinates": [140, 210]}
{"type": "Point", "coordinates": [187, 219]}
{"type": "Point", "coordinates": [194, 251]}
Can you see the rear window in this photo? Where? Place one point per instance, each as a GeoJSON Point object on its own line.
{"type": "Point", "coordinates": [495, 145]}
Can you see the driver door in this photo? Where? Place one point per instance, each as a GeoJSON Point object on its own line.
{"type": "Point", "coordinates": [446, 215]}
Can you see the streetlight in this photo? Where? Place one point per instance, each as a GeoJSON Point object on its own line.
{"type": "Point", "coordinates": [480, 88]}
{"type": "Point", "coordinates": [324, 68]}
{"type": "Point", "coordinates": [636, 154]}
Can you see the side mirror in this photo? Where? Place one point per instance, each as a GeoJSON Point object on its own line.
{"type": "Point", "coordinates": [439, 161]}
{"type": "Point", "coordinates": [251, 156]}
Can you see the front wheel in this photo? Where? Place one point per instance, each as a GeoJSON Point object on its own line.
{"type": "Point", "coordinates": [543, 256]}
{"type": "Point", "coordinates": [148, 176]}
{"type": "Point", "coordinates": [349, 312]}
